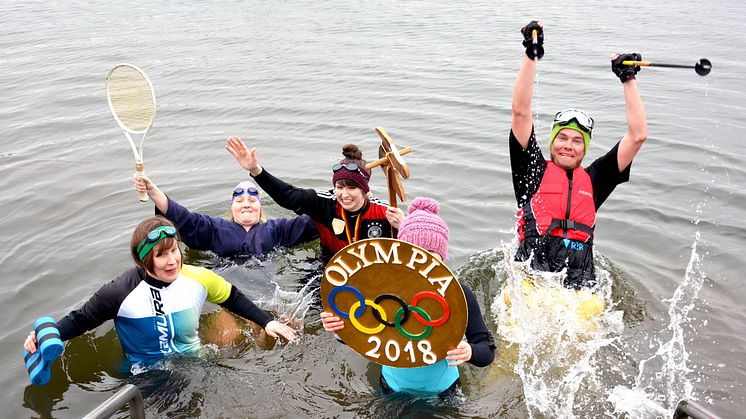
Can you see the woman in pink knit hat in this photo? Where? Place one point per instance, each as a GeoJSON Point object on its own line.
{"type": "Point", "coordinates": [424, 227]}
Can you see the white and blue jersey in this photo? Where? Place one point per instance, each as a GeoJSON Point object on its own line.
{"type": "Point", "coordinates": [155, 318]}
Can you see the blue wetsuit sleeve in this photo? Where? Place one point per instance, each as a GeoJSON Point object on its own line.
{"type": "Point", "coordinates": [289, 232]}
{"type": "Point", "coordinates": [238, 303]}
{"type": "Point", "coordinates": [477, 334]}
{"type": "Point", "coordinates": [102, 306]}
{"type": "Point", "coordinates": [198, 231]}
{"type": "Point", "coordinates": [301, 201]}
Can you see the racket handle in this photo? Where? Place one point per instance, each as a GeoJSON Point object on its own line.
{"type": "Point", "coordinates": [140, 169]}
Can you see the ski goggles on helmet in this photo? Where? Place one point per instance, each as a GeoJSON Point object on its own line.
{"type": "Point", "coordinates": [249, 191]}
{"type": "Point", "coordinates": [352, 167]}
{"type": "Point", "coordinates": [149, 242]}
{"type": "Point", "coordinates": [584, 121]}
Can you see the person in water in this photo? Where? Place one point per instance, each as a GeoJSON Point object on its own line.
{"type": "Point", "coordinates": [558, 198]}
{"type": "Point", "coordinates": [248, 232]}
{"type": "Point", "coordinates": [424, 227]}
{"type": "Point", "coordinates": [156, 305]}
{"type": "Point", "coordinates": [343, 216]}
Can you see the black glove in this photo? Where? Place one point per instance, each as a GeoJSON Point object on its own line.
{"type": "Point", "coordinates": [625, 72]}
{"type": "Point", "coordinates": [533, 51]}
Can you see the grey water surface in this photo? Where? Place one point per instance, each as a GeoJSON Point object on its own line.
{"type": "Point", "coordinates": [299, 79]}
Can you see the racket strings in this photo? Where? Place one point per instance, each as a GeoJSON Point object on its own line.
{"type": "Point", "coordinates": [131, 99]}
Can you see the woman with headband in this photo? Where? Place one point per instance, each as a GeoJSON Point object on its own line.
{"type": "Point", "coordinates": [155, 305]}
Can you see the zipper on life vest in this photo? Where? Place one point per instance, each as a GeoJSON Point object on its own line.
{"type": "Point", "coordinates": [569, 200]}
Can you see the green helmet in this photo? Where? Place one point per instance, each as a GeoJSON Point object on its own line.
{"type": "Point", "coordinates": [576, 120]}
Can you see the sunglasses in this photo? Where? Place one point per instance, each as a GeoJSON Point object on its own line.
{"type": "Point", "coordinates": [567, 116]}
{"type": "Point", "coordinates": [249, 191]}
{"type": "Point", "coordinates": [352, 167]}
{"type": "Point", "coordinates": [149, 242]}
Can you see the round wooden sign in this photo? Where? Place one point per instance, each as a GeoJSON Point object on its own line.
{"type": "Point", "coordinates": [401, 306]}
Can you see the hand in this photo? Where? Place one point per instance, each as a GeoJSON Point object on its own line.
{"type": "Point", "coordinates": [143, 183]}
{"type": "Point", "coordinates": [275, 328]}
{"type": "Point", "coordinates": [395, 216]}
{"type": "Point", "coordinates": [245, 157]}
{"type": "Point", "coordinates": [533, 51]}
{"type": "Point", "coordinates": [460, 355]}
{"type": "Point", "coordinates": [30, 343]}
{"type": "Point", "coordinates": [331, 322]}
{"type": "Point", "coordinates": [625, 72]}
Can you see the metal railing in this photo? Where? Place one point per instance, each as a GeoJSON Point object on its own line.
{"type": "Point", "coordinates": [689, 409]}
{"type": "Point", "coordinates": [130, 395]}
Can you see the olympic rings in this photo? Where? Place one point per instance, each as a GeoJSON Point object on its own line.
{"type": "Point", "coordinates": [417, 311]}
{"type": "Point", "coordinates": [360, 327]}
{"type": "Point", "coordinates": [401, 316]}
{"type": "Point", "coordinates": [353, 290]}
{"type": "Point", "coordinates": [398, 300]}
{"type": "Point", "coordinates": [434, 296]}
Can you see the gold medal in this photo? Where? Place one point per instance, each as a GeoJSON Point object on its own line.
{"type": "Point", "coordinates": [338, 226]}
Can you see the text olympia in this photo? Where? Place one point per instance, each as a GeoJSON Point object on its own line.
{"type": "Point", "coordinates": [401, 306]}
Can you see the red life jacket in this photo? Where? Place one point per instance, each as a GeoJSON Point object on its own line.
{"type": "Point", "coordinates": [560, 207]}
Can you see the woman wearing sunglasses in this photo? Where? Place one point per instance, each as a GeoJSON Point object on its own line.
{"type": "Point", "coordinates": [558, 198]}
{"type": "Point", "coordinates": [156, 305]}
{"type": "Point", "coordinates": [248, 232]}
{"type": "Point", "coordinates": [342, 217]}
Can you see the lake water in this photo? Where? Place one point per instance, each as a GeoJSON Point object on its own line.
{"type": "Point", "coordinates": [298, 80]}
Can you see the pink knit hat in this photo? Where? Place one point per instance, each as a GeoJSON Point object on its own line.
{"type": "Point", "coordinates": [424, 227]}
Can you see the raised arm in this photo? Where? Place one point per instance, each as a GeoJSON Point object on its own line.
{"type": "Point", "coordinates": [144, 184]}
{"type": "Point", "coordinates": [637, 122]}
{"type": "Point", "coordinates": [245, 157]}
{"type": "Point", "coordinates": [524, 84]}
{"type": "Point", "coordinates": [301, 201]}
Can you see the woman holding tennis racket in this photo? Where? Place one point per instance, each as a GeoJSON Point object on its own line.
{"type": "Point", "coordinates": [343, 216]}
{"type": "Point", "coordinates": [156, 305]}
{"type": "Point", "coordinates": [248, 233]}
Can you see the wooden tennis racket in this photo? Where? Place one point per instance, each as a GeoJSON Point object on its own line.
{"type": "Point", "coordinates": [132, 102]}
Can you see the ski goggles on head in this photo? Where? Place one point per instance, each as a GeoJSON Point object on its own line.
{"type": "Point", "coordinates": [352, 167]}
{"type": "Point", "coordinates": [149, 242]}
{"type": "Point", "coordinates": [249, 191]}
{"type": "Point", "coordinates": [584, 121]}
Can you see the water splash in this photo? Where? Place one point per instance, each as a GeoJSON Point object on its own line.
{"type": "Point", "coordinates": [662, 380]}
{"type": "Point", "coordinates": [284, 282]}
{"type": "Point", "coordinates": [292, 306]}
{"type": "Point", "coordinates": [554, 335]}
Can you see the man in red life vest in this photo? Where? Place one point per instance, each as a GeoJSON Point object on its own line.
{"type": "Point", "coordinates": [558, 198]}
